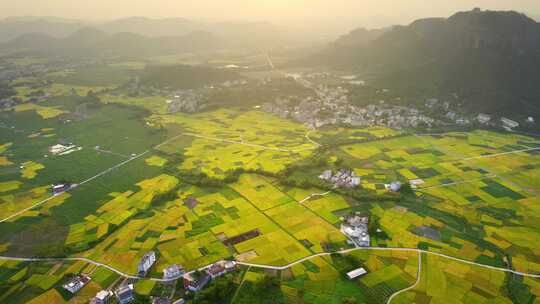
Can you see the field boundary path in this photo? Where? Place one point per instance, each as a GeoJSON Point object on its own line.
{"type": "Point", "coordinates": [75, 186]}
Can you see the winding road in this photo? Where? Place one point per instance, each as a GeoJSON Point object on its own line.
{"type": "Point", "coordinates": [418, 278]}
{"type": "Point", "coordinates": [272, 267]}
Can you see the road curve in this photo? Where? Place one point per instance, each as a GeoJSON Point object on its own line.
{"type": "Point", "coordinates": [418, 277]}
{"type": "Point", "coordinates": [419, 251]}
{"type": "Point", "coordinates": [121, 273]}
{"type": "Point", "coordinates": [392, 249]}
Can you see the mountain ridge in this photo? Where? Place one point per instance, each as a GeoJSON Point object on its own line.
{"type": "Point", "coordinates": [486, 58]}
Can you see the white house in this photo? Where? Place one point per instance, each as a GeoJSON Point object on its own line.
{"type": "Point", "coordinates": [356, 273]}
{"type": "Point", "coordinates": [509, 123]}
{"type": "Point", "coordinates": [146, 263]}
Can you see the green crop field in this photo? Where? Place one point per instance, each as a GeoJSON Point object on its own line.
{"type": "Point", "coordinates": [243, 184]}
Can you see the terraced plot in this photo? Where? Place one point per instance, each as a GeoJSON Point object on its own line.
{"type": "Point", "coordinates": [446, 281]}
{"type": "Point", "coordinates": [224, 141]}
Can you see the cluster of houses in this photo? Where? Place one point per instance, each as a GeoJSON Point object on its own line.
{"type": "Point", "coordinates": [193, 281]}
{"type": "Point", "coordinates": [125, 293]}
{"type": "Point", "coordinates": [186, 101]}
{"type": "Point", "coordinates": [344, 178]}
{"type": "Point", "coordinates": [506, 123]}
{"type": "Point", "coordinates": [356, 228]}
{"type": "Point", "coordinates": [332, 107]}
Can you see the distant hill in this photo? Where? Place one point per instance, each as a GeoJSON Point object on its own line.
{"type": "Point", "coordinates": [236, 34]}
{"type": "Point", "coordinates": [93, 42]}
{"type": "Point", "coordinates": [13, 27]}
{"type": "Point", "coordinates": [489, 59]}
{"type": "Point", "coordinates": [239, 33]}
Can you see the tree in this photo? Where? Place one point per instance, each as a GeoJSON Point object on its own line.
{"type": "Point", "coordinates": [219, 291]}
{"type": "Point", "coordinates": [349, 300]}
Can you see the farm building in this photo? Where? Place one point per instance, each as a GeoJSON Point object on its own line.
{"type": "Point", "coordinates": [173, 271]}
{"type": "Point", "coordinates": [483, 118]}
{"type": "Point", "coordinates": [220, 268]}
{"type": "Point", "coordinates": [508, 123]}
{"type": "Point", "coordinates": [60, 188]}
{"type": "Point", "coordinates": [394, 187]}
{"type": "Point", "coordinates": [196, 281]}
{"type": "Point", "coordinates": [77, 283]}
{"type": "Point", "coordinates": [345, 178]}
{"type": "Point", "coordinates": [102, 297]}
{"type": "Point", "coordinates": [146, 263]}
{"type": "Point", "coordinates": [355, 227]}
{"type": "Point", "coordinates": [356, 273]}
{"type": "Point", "coordinates": [124, 294]}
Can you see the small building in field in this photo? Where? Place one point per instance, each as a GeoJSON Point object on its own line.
{"type": "Point", "coordinates": [508, 123]}
{"type": "Point", "coordinates": [355, 227]}
{"type": "Point", "coordinates": [483, 118]}
{"type": "Point", "coordinates": [416, 182]}
{"type": "Point", "coordinates": [60, 188]}
{"type": "Point", "coordinates": [146, 263]}
{"type": "Point", "coordinates": [59, 148]}
{"type": "Point", "coordinates": [76, 283]}
{"type": "Point", "coordinates": [356, 273]}
{"type": "Point", "coordinates": [394, 187]}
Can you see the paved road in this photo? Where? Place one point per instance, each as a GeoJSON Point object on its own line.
{"type": "Point", "coordinates": [271, 267]}
{"type": "Point", "coordinates": [98, 264]}
{"type": "Point", "coordinates": [77, 185]}
{"type": "Point", "coordinates": [418, 277]}
{"type": "Point", "coordinates": [391, 249]}
{"type": "Point", "coordinates": [316, 145]}
{"type": "Point", "coordinates": [314, 195]}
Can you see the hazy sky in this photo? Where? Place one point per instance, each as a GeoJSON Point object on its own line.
{"type": "Point", "coordinates": [320, 13]}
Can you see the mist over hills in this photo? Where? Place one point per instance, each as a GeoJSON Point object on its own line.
{"type": "Point", "coordinates": [488, 60]}
{"type": "Point", "coordinates": [484, 60]}
{"type": "Point", "coordinates": [13, 27]}
{"type": "Point", "coordinates": [231, 34]}
{"type": "Point", "coordinates": [93, 42]}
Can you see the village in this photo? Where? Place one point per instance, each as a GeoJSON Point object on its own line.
{"type": "Point", "coordinates": [124, 293]}
{"type": "Point", "coordinates": [331, 105]}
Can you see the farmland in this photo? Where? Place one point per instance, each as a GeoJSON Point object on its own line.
{"type": "Point", "coordinates": [243, 184]}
